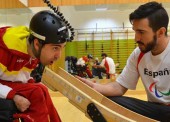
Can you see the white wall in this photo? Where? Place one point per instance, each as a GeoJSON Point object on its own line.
{"type": "Point", "coordinates": [98, 20]}
{"type": "Point", "coordinates": [85, 19]}
{"type": "Point", "coordinates": [103, 19]}
{"type": "Point", "coordinates": [79, 19]}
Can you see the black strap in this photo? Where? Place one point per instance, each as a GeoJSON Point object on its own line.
{"type": "Point", "coordinates": [94, 113]}
{"type": "Point", "coordinates": [37, 73]}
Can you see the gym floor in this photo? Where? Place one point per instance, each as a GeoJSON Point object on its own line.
{"type": "Point", "coordinates": [69, 113]}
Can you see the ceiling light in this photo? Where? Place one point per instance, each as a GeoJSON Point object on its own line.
{"type": "Point", "coordinates": [101, 9]}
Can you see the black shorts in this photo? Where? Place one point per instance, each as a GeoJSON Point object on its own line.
{"type": "Point", "coordinates": [149, 109]}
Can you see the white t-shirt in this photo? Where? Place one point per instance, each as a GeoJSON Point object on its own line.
{"type": "Point", "coordinates": [81, 62]}
{"type": "Point", "coordinates": [109, 64]}
{"type": "Point", "coordinates": [154, 72]}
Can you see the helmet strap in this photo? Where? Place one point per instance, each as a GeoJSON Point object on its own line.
{"type": "Point", "coordinates": [37, 53]}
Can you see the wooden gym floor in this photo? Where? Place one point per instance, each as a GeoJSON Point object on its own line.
{"type": "Point", "coordinates": [69, 113]}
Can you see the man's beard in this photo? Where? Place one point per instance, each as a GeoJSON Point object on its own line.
{"type": "Point", "coordinates": [149, 46]}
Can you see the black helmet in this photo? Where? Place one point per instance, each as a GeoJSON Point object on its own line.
{"type": "Point", "coordinates": [49, 27]}
{"type": "Point", "coordinates": [89, 56]}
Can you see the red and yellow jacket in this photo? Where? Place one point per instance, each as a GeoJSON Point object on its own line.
{"type": "Point", "coordinates": [15, 62]}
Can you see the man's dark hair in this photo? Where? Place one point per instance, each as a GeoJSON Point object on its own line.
{"type": "Point", "coordinates": [104, 54]}
{"type": "Point", "coordinates": [154, 12]}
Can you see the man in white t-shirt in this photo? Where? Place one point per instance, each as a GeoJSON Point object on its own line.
{"type": "Point", "coordinates": [107, 66]}
{"type": "Point", "coordinates": [150, 61]}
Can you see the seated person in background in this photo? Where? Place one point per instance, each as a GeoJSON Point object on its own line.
{"type": "Point", "coordinates": [82, 66]}
{"type": "Point", "coordinates": [94, 67]}
{"type": "Point", "coordinates": [97, 70]}
{"type": "Point", "coordinates": [107, 66]}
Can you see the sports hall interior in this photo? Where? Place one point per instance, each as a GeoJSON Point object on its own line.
{"type": "Point", "coordinates": [100, 26]}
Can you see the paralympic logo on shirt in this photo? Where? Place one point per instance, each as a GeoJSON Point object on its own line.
{"type": "Point", "coordinates": [158, 93]}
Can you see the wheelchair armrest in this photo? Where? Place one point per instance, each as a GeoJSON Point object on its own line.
{"type": "Point", "coordinates": [7, 109]}
{"type": "Point", "coordinates": [9, 112]}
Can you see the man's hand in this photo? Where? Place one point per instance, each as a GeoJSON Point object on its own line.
{"type": "Point", "coordinates": [21, 102]}
{"type": "Point", "coordinates": [86, 81]}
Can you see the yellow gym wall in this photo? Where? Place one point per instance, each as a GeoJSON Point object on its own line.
{"type": "Point", "coordinates": [119, 50]}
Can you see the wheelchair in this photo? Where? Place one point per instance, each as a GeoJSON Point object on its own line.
{"type": "Point", "coordinates": [10, 113]}
{"type": "Point", "coordinates": [8, 109]}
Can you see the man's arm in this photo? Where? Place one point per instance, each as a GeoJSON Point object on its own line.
{"type": "Point", "coordinates": [109, 89]}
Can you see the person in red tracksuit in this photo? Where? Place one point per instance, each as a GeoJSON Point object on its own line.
{"type": "Point", "coordinates": [82, 65]}
{"type": "Point", "coordinates": [21, 49]}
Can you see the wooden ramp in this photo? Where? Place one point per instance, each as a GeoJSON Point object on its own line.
{"type": "Point", "coordinates": [81, 96]}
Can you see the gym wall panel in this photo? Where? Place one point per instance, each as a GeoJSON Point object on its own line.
{"type": "Point", "coordinates": [40, 3]}
{"type": "Point", "coordinates": [34, 3]}
{"type": "Point", "coordinates": [8, 4]}
{"type": "Point", "coordinates": [71, 49]}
